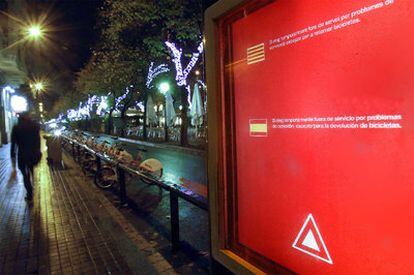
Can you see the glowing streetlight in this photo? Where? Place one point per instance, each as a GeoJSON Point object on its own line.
{"type": "Point", "coordinates": [164, 87]}
{"type": "Point", "coordinates": [38, 86]}
{"type": "Point", "coordinates": [34, 32]}
{"type": "Point", "coordinates": [18, 104]}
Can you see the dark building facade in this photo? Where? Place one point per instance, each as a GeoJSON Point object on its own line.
{"type": "Point", "coordinates": [12, 69]}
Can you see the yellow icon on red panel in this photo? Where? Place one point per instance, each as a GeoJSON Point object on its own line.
{"type": "Point", "coordinates": [255, 54]}
{"type": "Point", "coordinates": [258, 127]}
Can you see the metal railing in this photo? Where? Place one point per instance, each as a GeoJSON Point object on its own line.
{"type": "Point", "coordinates": [176, 191]}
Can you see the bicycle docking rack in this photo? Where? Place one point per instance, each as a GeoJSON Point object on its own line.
{"type": "Point", "coordinates": [176, 191]}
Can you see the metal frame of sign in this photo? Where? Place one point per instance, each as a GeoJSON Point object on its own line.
{"type": "Point", "coordinates": [221, 142]}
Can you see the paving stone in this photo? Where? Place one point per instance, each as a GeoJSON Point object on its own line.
{"type": "Point", "coordinates": [57, 234]}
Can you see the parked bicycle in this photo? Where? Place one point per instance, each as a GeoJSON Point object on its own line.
{"type": "Point", "coordinates": [107, 178]}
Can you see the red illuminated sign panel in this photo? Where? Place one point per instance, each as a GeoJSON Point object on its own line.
{"type": "Point", "coordinates": [322, 96]}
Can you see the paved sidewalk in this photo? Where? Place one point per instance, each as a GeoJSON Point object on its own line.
{"type": "Point", "coordinates": [71, 227]}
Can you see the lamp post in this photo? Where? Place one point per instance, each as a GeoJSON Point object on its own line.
{"type": "Point", "coordinates": [164, 87]}
{"type": "Point", "coordinates": [34, 32]}
{"type": "Point", "coordinates": [26, 32]}
{"type": "Point", "coordinates": [37, 87]}
{"type": "Point", "coordinates": [18, 104]}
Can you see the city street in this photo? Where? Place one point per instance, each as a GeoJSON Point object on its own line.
{"type": "Point", "coordinates": [151, 204]}
{"type": "Point", "coordinates": [181, 165]}
{"type": "Point", "coordinates": [73, 226]}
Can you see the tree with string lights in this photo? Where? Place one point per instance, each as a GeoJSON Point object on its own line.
{"type": "Point", "coordinates": [182, 74]}
{"type": "Point", "coordinates": [132, 36]}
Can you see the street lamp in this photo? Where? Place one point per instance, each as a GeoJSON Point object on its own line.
{"type": "Point", "coordinates": [34, 32]}
{"type": "Point", "coordinates": [37, 87]}
{"type": "Point", "coordinates": [164, 87]}
{"type": "Point", "coordinates": [18, 104]}
{"type": "Point", "coordinates": [27, 31]}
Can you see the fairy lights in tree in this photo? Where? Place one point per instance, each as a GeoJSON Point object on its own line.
{"type": "Point", "coordinates": [72, 114]}
{"type": "Point", "coordinates": [154, 72]}
{"type": "Point", "coordinates": [101, 103]}
{"type": "Point", "coordinates": [121, 98]}
{"type": "Point", "coordinates": [102, 106]}
{"type": "Point", "coordinates": [188, 95]}
{"type": "Point", "coordinates": [182, 75]}
{"type": "Point", "coordinates": [92, 100]}
{"type": "Point", "coordinates": [83, 110]}
{"type": "Point", "coordinates": [140, 106]}
{"type": "Point", "coordinates": [192, 62]}
{"type": "Point", "coordinates": [60, 117]}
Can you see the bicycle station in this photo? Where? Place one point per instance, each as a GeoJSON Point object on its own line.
{"type": "Point", "coordinates": [110, 170]}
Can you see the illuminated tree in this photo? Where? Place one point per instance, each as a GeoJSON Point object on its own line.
{"type": "Point", "coordinates": [132, 36]}
{"type": "Point", "coordinates": [181, 76]}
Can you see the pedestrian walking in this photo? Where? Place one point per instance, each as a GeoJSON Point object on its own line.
{"type": "Point", "coordinates": [26, 139]}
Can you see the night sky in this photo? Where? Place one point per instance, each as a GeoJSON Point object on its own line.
{"type": "Point", "coordinates": [72, 30]}
{"type": "Point", "coordinates": [78, 19]}
{"type": "Point", "coordinates": [71, 33]}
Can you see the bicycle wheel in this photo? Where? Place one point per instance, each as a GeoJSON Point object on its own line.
{"type": "Point", "coordinates": [106, 178]}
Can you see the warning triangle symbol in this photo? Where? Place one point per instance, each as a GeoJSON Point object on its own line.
{"type": "Point", "coordinates": [310, 241]}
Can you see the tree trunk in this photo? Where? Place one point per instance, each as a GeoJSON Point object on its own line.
{"type": "Point", "coordinates": [109, 126]}
{"type": "Point", "coordinates": [166, 138]}
{"type": "Point", "coordinates": [123, 116]}
{"type": "Point", "coordinates": [184, 117]}
{"type": "Point", "coordinates": [144, 126]}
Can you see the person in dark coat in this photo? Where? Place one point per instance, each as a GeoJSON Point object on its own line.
{"type": "Point", "coordinates": [26, 138]}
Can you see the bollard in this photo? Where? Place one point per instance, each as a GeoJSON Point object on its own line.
{"type": "Point", "coordinates": [122, 187]}
{"type": "Point", "coordinates": [175, 222]}
{"type": "Point", "coordinates": [98, 169]}
{"type": "Point", "coordinates": [77, 153]}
